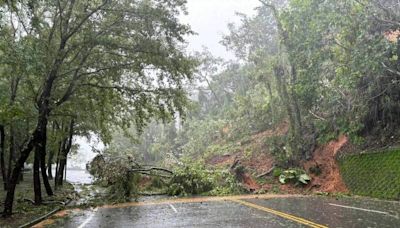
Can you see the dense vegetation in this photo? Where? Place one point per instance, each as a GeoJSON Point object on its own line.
{"type": "Point", "coordinates": [325, 67]}
{"type": "Point", "coordinates": [83, 67]}
{"type": "Point", "coordinates": [78, 68]}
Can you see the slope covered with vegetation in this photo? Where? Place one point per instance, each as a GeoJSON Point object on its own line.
{"type": "Point", "coordinates": [307, 73]}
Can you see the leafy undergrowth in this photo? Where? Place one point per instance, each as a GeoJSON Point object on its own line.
{"type": "Point", "coordinates": [373, 174]}
{"type": "Point", "coordinates": [25, 211]}
{"type": "Point", "coordinates": [199, 179]}
{"type": "Point", "coordinates": [255, 155]}
{"type": "Point", "coordinates": [196, 179]}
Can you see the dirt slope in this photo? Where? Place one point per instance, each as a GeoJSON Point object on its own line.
{"type": "Point", "coordinates": [261, 161]}
{"type": "Point", "coordinates": [324, 157]}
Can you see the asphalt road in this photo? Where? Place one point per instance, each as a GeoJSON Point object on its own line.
{"type": "Point", "coordinates": [239, 211]}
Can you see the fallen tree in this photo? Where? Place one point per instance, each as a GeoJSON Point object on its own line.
{"type": "Point", "coordinates": [122, 175]}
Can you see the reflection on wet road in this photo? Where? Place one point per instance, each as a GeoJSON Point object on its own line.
{"type": "Point", "coordinates": [243, 211]}
{"type": "Point", "coordinates": [344, 212]}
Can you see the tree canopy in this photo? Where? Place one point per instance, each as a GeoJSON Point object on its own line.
{"type": "Point", "coordinates": [89, 65]}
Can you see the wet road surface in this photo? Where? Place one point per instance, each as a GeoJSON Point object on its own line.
{"type": "Point", "coordinates": [241, 211]}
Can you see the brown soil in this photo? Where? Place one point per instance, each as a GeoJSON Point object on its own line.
{"type": "Point", "coordinates": [249, 183]}
{"type": "Point", "coordinates": [222, 160]}
{"type": "Point", "coordinates": [324, 157]}
{"type": "Point", "coordinates": [144, 181]}
{"type": "Point", "coordinates": [279, 130]}
{"type": "Point", "coordinates": [261, 161]}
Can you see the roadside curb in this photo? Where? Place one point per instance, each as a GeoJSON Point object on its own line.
{"type": "Point", "coordinates": [41, 218]}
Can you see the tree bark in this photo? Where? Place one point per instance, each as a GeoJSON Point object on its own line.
{"type": "Point", "coordinates": [46, 183]}
{"type": "Point", "coordinates": [60, 172]}
{"type": "Point", "coordinates": [8, 203]}
{"type": "Point", "coordinates": [11, 152]}
{"type": "Point", "coordinates": [49, 166]}
{"type": "Point", "coordinates": [67, 144]}
{"type": "Point", "coordinates": [2, 164]}
{"type": "Point", "coordinates": [41, 147]}
{"type": "Point", "coordinates": [295, 101]}
{"type": "Point", "coordinates": [36, 178]}
{"type": "Point", "coordinates": [58, 164]}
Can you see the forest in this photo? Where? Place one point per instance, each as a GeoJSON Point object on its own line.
{"type": "Point", "coordinates": [306, 72]}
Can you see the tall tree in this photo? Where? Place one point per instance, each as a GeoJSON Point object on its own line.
{"type": "Point", "coordinates": [124, 58]}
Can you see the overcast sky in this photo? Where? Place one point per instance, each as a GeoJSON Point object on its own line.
{"type": "Point", "coordinates": [208, 18]}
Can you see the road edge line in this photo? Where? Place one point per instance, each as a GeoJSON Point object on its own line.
{"type": "Point", "coordinates": [280, 214]}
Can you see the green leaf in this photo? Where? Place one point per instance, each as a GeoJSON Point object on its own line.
{"type": "Point", "coordinates": [304, 178]}
{"type": "Point", "coordinates": [282, 179]}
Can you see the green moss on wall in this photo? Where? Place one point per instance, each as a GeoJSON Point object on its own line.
{"type": "Point", "coordinates": [373, 174]}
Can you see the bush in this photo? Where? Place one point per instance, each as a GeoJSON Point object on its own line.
{"type": "Point", "coordinates": [124, 187]}
{"type": "Point", "coordinates": [197, 179]}
{"type": "Point", "coordinates": [295, 176]}
{"type": "Point", "coordinates": [115, 174]}
{"type": "Point", "coordinates": [279, 150]}
{"type": "Point", "coordinates": [277, 172]}
{"type": "Point", "coordinates": [225, 183]}
{"type": "Point", "coordinates": [189, 180]}
{"type": "Point", "coordinates": [157, 182]}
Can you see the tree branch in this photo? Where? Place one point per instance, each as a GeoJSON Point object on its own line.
{"type": "Point", "coordinates": [76, 28]}
{"type": "Point", "coordinates": [151, 169]}
{"type": "Point", "coordinates": [390, 69]}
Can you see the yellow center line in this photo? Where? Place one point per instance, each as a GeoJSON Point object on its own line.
{"type": "Point", "coordinates": [280, 214]}
{"type": "Point", "coordinates": [237, 198]}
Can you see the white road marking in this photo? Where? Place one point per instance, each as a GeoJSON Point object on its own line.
{"type": "Point", "coordinates": [88, 219]}
{"type": "Point", "coordinates": [173, 208]}
{"type": "Point", "coordinates": [363, 209]}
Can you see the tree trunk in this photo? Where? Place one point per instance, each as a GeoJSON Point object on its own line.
{"type": "Point", "coordinates": [8, 203]}
{"type": "Point", "coordinates": [36, 178]}
{"type": "Point", "coordinates": [11, 152]}
{"type": "Point", "coordinates": [65, 148]}
{"type": "Point", "coordinates": [284, 94]}
{"type": "Point", "coordinates": [57, 166]}
{"type": "Point", "coordinates": [2, 164]}
{"type": "Point", "coordinates": [51, 154]}
{"type": "Point", "coordinates": [60, 172]}
{"type": "Point", "coordinates": [49, 166]}
{"type": "Point", "coordinates": [46, 183]}
{"type": "Point", "coordinates": [44, 111]}
{"type": "Point", "coordinates": [32, 143]}
{"type": "Point", "coordinates": [295, 101]}
{"type": "Point", "coordinates": [65, 169]}
{"type": "Point", "coordinates": [41, 147]}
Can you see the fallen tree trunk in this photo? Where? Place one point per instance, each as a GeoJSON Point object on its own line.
{"type": "Point", "coordinates": [154, 174]}
{"type": "Point", "coordinates": [266, 173]}
{"type": "Point", "coordinates": [152, 169]}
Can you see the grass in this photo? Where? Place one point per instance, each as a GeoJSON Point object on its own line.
{"type": "Point", "coordinates": [373, 174]}
{"type": "Point", "coordinates": [24, 211]}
